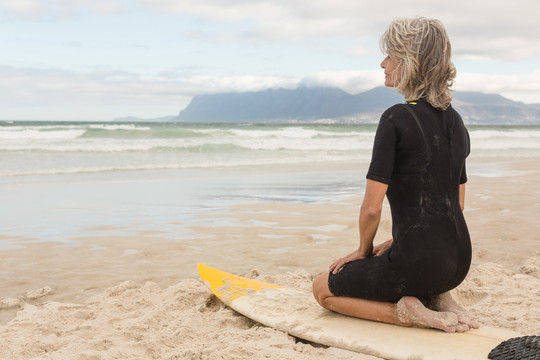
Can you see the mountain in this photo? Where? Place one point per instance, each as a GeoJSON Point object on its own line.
{"type": "Point", "coordinates": [274, 105]}
{"type": "Point", "coordinates": [480, 108]}
{"type": "Point", "coordinates": [333, 104]}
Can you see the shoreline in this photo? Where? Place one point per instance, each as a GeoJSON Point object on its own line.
{"type": "Point", "coordinates": [287, 242]}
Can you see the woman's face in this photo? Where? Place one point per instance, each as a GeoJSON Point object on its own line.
{"type": "Point", "coordinates": [392, 77]}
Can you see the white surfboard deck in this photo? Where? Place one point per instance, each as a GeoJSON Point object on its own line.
{"type": "Point", "coordinates": [297, 313]}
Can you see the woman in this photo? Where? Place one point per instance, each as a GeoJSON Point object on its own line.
{"type": "Point", "coordinates": [418, 162]}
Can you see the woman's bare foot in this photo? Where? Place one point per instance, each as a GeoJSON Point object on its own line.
{"type": "Point", "coordinates": [445, 302]}
{"type": "Point", "coordinates": [411, 312]}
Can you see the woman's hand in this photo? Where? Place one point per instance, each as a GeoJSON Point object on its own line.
{"type": "Point", "coordinates": [379, 249]}
{"type": "Point", "coordinates": [336, 265]}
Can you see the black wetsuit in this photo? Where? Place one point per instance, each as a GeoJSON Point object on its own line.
{"type": "Point", "coordinates": [422, 160]}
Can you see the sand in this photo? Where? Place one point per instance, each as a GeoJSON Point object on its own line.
{"type": "Point", "coordinates": [131, 293]}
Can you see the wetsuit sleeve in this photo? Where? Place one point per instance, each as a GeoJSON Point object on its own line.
{"type": "Point", "coordinates": [384, 152]}
{"type": "Point", "coordinates": [463, 177]}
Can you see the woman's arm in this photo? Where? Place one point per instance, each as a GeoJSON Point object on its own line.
{"type": "Point", "coordinates": [370, 215]}
{"type": "Point", "coordinates": [462, 196]}
{"type": "Point", "coordinates": [368, 222]}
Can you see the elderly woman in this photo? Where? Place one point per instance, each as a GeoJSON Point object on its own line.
{"type": "Point", "coordinates": [418, 162]}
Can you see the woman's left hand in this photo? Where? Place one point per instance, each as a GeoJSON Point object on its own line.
{"type": "Point", "coordinates": [336, 265]}
{"type": "Point", "coordinates": [378, 250]}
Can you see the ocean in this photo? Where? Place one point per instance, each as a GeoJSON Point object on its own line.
{"type": "Point", "coordinates": [67, 148]}
{"type": "Point", "coordinates": [46, 148]}
{"type": "Point", "coordinates": [59, 178]}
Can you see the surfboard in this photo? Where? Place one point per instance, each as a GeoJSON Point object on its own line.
{"type": "Point", "coordinates": [296, 312]}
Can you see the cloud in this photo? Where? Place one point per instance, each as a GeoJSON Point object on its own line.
{"type": "Point", "coordinates": [32, 9]}
{"type": "Point", "coordinates": [481, 29]}
{"type": "Point", "coordinates": [53, 94]}
{"type": "Point", "coordinates": [62, 94]}
{"type": "Point", "coordinates": [503, 30]}
{"type": "Point", "coordinates": [353, 82]}
{"type": "Point", "coordinates": [28, 83]}
{"type": "Point", "coordinates": [518, 87]}
{"type": "Point", "coordinates": [102, 95]}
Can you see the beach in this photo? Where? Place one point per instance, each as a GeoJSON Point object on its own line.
{"type": "Point", "coordinates": [101, 263]}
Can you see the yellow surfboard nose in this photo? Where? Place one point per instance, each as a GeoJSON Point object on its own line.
{"type": "Point", "coordinates": [228, 287]}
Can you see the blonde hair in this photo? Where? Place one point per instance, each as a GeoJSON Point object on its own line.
{"type": "Point", "coordinates": [422, 48]}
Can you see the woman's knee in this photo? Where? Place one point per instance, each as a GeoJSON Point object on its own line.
{"type": "Point", "coordinates": [321, 292]}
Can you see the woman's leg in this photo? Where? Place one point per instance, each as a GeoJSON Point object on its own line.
{"type": "Point", "coordinates": [409, 311]}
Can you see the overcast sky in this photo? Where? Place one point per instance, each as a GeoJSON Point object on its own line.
{"type": "Point", "coordinates": [102, 59]}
